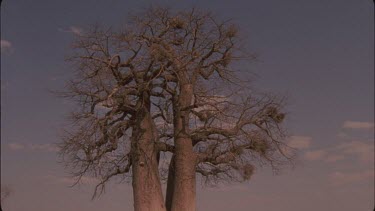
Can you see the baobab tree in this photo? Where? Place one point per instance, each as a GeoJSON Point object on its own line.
{"type": "Point", "coordinates": [174, 69]}
{"type": "Point", "coordinates": [216, 133]}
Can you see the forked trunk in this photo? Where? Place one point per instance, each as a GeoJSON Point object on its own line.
{"type": "Point", "coordinates": [147, 191]}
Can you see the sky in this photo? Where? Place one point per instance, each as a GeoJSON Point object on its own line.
{"type": "Point", "coordinates": [320, 54]}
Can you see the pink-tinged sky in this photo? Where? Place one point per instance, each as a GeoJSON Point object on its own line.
{"type": "Point", "coordinates": [318, 53]}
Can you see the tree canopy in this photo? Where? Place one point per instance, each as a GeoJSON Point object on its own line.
{"type": "Point", "coordinates": [166, 82]}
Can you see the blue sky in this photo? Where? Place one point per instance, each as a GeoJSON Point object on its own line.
{"type": "Point", "coordinates": [317, 53]}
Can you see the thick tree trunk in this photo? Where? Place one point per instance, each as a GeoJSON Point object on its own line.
{"type": "Point", "coordinates": [184, 180]}
{"type": "Point", "coordinates": [147, 191]}
{"type": "Point", "coordinates": [184, 158]}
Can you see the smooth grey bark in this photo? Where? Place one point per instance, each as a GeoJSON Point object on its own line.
{"type": "Point", "coordinates": [184, 157]}
{"type": "Point", "coordinates": [184, 181]}
{"type": "Point", "coordinates": [147, 190]}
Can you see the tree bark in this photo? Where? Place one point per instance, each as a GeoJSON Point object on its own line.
{"type": "Point", "coordinates": [184, 158]}
{"type": "Point", "coordinates": [147, 190]}
{"type": "Point", "coordinates": [184, 180]}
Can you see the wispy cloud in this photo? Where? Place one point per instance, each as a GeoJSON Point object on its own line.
{"type": "Point", "coordinates": [235, 187]}
{"type": "Point", "coordinates": [71, 180]}
{"type": "Point", "coordinates": [363, 151]}
{"type": "Point", "coordinates": [342, 134]}
{"type": "Point", "coordinates": [6, 46]}
{"type": "Point", "coordinates": [315, 155]}
{"type": "Point", "coordinates": [33, 147]}
{"type": "Point", "coordinates": [299, 142]}
{"type": "Point", "coordinates": [73, 29]}
{"type": "Point", "coordinates": [334, 158]}
{"type": "Point", "coordinates": [16, 146]}
{"type": "Point", "coordinates": [358, 125]}
{"type": "Point", "coordinates": [340, 178]}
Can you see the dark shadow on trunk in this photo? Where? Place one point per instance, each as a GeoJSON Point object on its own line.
{"type": "Point", "coordinates": [170, 185]}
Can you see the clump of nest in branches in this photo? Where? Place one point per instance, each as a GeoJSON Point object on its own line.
{"type": "Point", "coordinates": [159, 53]}
{"type": "Point", "coordinates": [260, 146]}
{"type": "Point", "coordinates": [177, 23]}
{"type": "Point", "coordinates": [274, 114]}
{"type": "Point", "coordinates": [247, 171]}
{"type": "Point", "coordinates": [231, 31]}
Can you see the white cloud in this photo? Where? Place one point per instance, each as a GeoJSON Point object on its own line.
{"type": "Point", "coordinates": [6, 46]}
{"type": "Point", "coordinates": [299, 142]}
{"type": "Point", "coordinates": [364, 151]}
{"type": "Point", "coordinates": [16, 146]}
{"type": "Point", "coordinates": [315, 155]}
{"type": "Point", "coordinates": [358, 125]}
{"type": "Point", "coordinates": [33, 147]}
{"type": "Point", "coordinates": [340, 178]}
{"type": "Point", "coordinates": [73, 29]}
